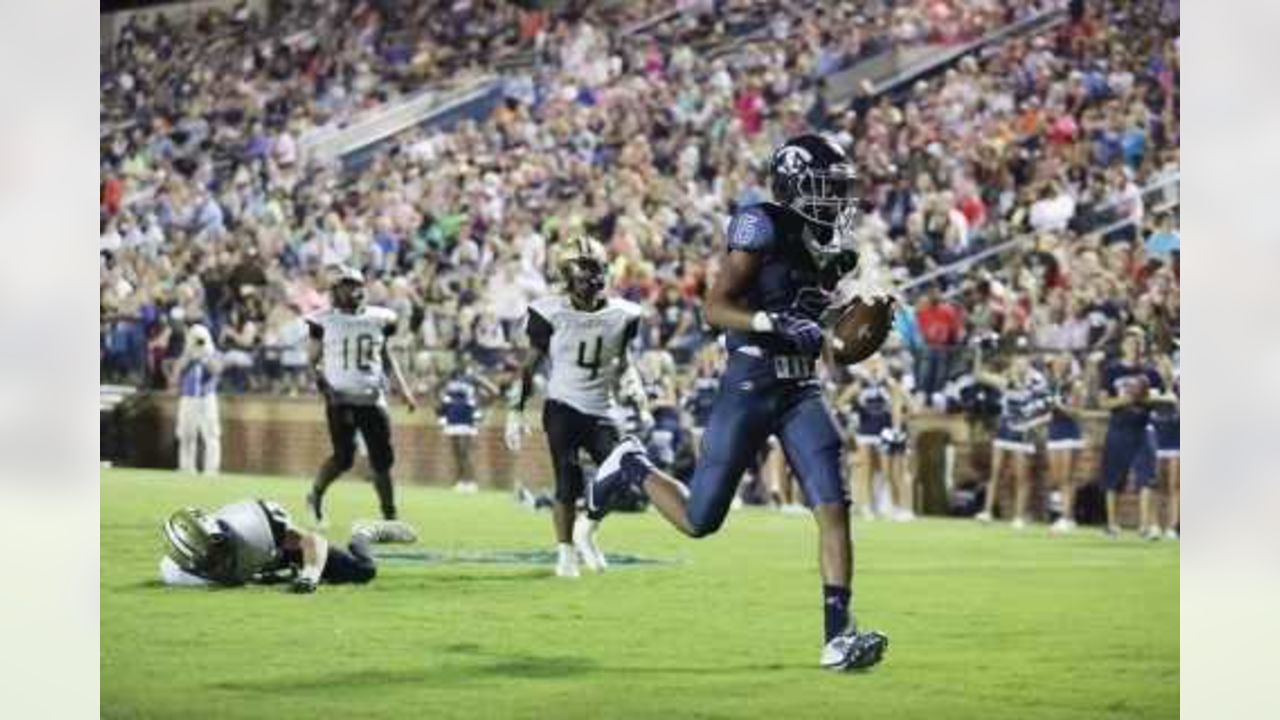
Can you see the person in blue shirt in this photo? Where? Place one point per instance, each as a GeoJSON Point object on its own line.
{"type": "Point", "coordinates": [700, 394]}
{"type": "Point", "coordinates": [1166, 421]}
{"type": "Point", "coordinates": [461, 393]}
{"type": "Point", "coordinates": [775, 284]}
{"type": "Point", "coordinates": [1164, 240]}
{"type": "Point", "coordinates": [1129, 386]}
{"type": "Point", "coordinates": [1024, 407]}
{"type": "Point", "coordinates": [873, 403]}
{"type": "Point", "coordinates": [1064, 439]}
{"type": "Point", "coordinates": [198, 369]}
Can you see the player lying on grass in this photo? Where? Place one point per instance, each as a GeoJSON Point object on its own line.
{"type": "Point", "coordinates": [254, 541]}
{"type": "Point", "coordinates": [784, 263]}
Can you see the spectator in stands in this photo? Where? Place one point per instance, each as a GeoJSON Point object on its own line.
{"type": "Point", "coordinates": [1163, 241]}
{"type": "Point", "coordinates": [941, 323]}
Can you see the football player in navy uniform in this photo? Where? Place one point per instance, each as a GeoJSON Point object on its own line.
{"type": "Point", "coordinates": [784, 260]}
{"type": "Point", "coordinates": [1130, 445]}
{"type": "Point", "coordinates": [459, 410]}
{"type": "Point", "coordinates": [254, 541]}
{"type": "Point", "coordinates": [1024, 406]}
{"type": "Point", "coordinates": [352, 363]}
{"type": "Point", "coordinates": [1166, 420]}
{"type": "Point", "coordinates": [1064, 439]}
{"type": "Point", "coordinates": [585, 335]}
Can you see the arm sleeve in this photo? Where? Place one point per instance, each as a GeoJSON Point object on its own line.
{"type": "Point", "coordinates": [539, 331]}
{"type": "Point", "coordinates": [630, 332]}
{"type": "Point", "coordinates": [751, 230]}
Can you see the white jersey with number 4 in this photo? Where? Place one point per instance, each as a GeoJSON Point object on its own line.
{"type": "Point", "coordinates": [353, 343]}
{"type": "Point", "coordinates": [585, 349]}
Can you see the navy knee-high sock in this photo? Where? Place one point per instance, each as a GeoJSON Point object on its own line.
{"type": "Point", "coordinates": [835, 609]}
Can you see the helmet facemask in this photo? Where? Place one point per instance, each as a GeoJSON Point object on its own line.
{"type": "Point", "coordinates": [823, 197]}
{"type": "Point", "coordinates": [585, 280]}
{"type": "Point", "coordinates": [198, 543]}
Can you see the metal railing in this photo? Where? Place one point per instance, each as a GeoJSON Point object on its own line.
{"type": "Point", "coordinates": [1162, 186]}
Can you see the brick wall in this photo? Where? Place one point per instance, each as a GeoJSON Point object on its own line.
{"type": "Point", "coordinates": [287, 436]}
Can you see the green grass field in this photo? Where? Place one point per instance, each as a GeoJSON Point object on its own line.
{"type": "Point", "coordinates": [984, 622]}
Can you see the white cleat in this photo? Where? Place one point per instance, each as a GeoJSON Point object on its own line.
{"type": "Point", "coordinates": [1062, 526]}
{"type": "Point", "coordinates": [1170, 534]}
{"type": "Point", "coordinates": [983, 517]}
{"type": "Point", "coordinates": [466, 488]}
{"type": "Point", "coordinates": [386, 531]}
{"type": "Point", "coordinates": [904, 515]}
{"type": "Point", "coordinates": [852, 650]}
{"type": "Point", "coordinates": [584, 541]}
{"type": "Point", "coordinates": [1152, 533]}
{"type": "Point", "coordinates": [567, 562]}
{"type": "Point", "coordinates": [1018, 523]}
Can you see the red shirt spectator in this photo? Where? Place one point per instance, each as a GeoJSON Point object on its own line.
{"type": "Point", "coordinates": [750, 109]}
{"type": "Point", "coordinates": [974, 210]}
{"type": "Point", "coordinates": [112, 194]}
{"type": "Point", "coordinates": [940, 321]}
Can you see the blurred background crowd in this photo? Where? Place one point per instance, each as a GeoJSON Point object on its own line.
{"type": "Point", "coordinates": [1029, 191]}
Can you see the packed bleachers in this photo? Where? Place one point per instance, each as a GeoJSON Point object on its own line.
{"type": "Point", "coordinates": [645, 138]}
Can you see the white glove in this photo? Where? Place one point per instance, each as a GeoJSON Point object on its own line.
{"type": "Point", "coordinates": [513, 435]}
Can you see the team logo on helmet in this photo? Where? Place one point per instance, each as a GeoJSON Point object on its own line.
{"type": "Point", "coordinates": [792, 160]}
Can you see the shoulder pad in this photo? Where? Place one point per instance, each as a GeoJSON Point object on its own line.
{"type": "Point", "coordinates": [751, 229]}
{"type": "Point", "coordinates": [384, 315]}
{"type": "Point", "coordinates": [547, 306]}
{"type": "Point", "coordinates": [630, 309]}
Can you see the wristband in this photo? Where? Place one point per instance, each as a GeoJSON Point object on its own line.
{"type": "Point", "coordinates": [761, 322]}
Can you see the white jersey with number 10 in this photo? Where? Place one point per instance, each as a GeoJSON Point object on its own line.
{"type": "Point", "coordinates": [353, 343]}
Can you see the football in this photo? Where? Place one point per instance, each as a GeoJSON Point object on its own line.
{"type": "Point", "coordinates": [860, 330]}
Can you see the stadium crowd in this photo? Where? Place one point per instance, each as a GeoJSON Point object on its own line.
{"type": "Point", "coordinates": [212, 211]}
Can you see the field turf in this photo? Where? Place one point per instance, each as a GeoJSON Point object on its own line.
{"type": "Point", "coordinates": [984, 622]}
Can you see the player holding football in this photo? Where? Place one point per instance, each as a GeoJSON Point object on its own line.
{"type": "Point", "coordinates": [351, 361]}
{"type": "Point", "coordinates": [254, 541]}
{"type": "Point", "coordinates": [784, 261]}
{"type": "Point", "coordinates": [585, 335]}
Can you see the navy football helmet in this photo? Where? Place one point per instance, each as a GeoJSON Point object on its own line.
{"type": "Point", "coordinates": [813, 176]}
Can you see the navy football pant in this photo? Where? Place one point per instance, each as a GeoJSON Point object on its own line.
{"type": "Point", "coordinates": [354, 565]}
{"type": "Point", "coordinates": [742, 420]}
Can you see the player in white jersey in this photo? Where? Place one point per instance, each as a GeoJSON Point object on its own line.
{"type": "Point", "coordinates": [584, 334]}
{"type": "Point", "coordinates": [350, 357]}
{"type": "Point", "coordinates": [254, 541]}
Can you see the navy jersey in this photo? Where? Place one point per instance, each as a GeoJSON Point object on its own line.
{"type": "Point", "coordinates": [788, 279]}
{"type": "Point", "coordinates": [872, 408]}
{"type": "Point", "coordinates": [1165, 418]}
{"type": "Point", "coordinates": [459, 400]}
{"type": "Point", "coordinates": [1022, 403]}
{"type": "Point", "coordinates": [1117, 379]}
